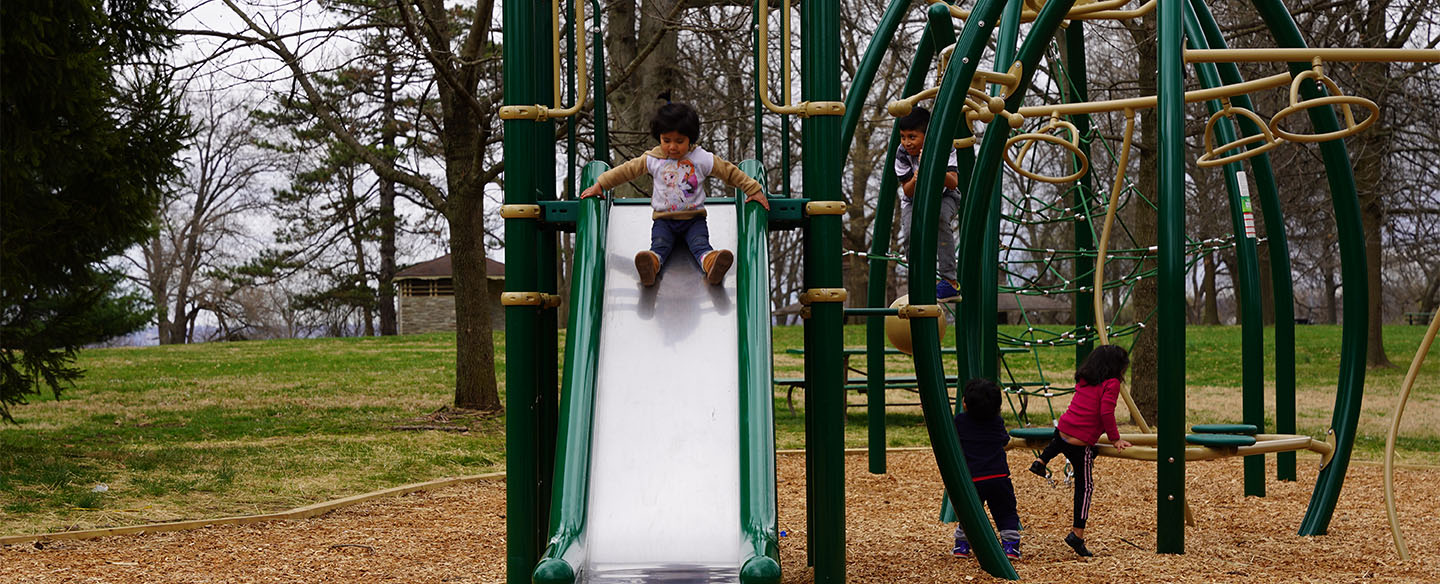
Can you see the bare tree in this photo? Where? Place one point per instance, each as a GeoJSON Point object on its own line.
{"type": "Point", "coordinates": [459, 45]}
{"type": "Point", "coordinates": [200, 222]}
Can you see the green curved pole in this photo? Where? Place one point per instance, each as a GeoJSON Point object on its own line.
{"type": "Point", "coordinates": [1351, 386]}
{"type": "Point", "coordinates": [869, 64]}
{"type": "Point", "coordinates": [1242, 220]}
{"type": "Point", "coordinates": [1280, 279]}
{"type": "Point", "coordinates": [825, 395]}
{"type": "Point", "coordinates": [1170, 319]}
{"type": "Point", "coordinates": [759, 523]}
{"type": "Point", "coordinates": [944, 127]}
{"type": "Point", "coordinates": [582, 360]}
{"type": "Point", "coordinates": [937, 32]}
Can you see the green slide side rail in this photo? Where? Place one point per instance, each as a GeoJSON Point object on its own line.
{"type": "Point", "coordinates": [577, 406]}
{"type": "Point", "coordinates": [759, 522]}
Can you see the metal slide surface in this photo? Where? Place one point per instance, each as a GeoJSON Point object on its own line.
{"type": "Point", "coordinates": [664, 491]}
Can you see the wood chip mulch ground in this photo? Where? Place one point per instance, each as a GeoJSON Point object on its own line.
{"type": "Point", "coordinates": [457, 534]}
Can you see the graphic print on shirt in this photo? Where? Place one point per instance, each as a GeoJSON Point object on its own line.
{"type": "Point", "coordinates": [678, 185]}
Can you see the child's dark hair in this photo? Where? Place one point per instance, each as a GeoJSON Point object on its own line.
{"type": "Point", "coordinates": [917, 119]}
{"type": "Point", "coordinates": [1105, 362]}
{"type": "Point", "coordinates": [982, 399]}
{"type": "Point", "coordinates": [676, 117]}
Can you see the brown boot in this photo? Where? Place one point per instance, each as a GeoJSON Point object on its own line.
{"type": "Point", "coordinates": [647, 264]}
{"type": "Point", "coordinates": [716, 263]}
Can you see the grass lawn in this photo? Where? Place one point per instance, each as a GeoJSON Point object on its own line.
{"type": "Point", "coordinates": [187, 432]}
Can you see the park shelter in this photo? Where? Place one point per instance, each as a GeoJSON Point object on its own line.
{"type": "Point", "coordinates": [426, 293]}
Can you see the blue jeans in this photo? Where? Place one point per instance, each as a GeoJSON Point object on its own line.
{"type": "Point", "coordinates": [694, 232]}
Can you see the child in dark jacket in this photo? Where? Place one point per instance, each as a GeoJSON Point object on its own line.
{"type": "Point", "coordinates": [983, 438]}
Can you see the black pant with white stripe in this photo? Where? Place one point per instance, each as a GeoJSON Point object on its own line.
{"type": "Point", "coordinates": [1082, 461]}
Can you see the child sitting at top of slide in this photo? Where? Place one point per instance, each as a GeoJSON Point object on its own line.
{"type": "Point", "coordinates": [983, 438]}
{"type": "Point", "coordinates": [679, 167]}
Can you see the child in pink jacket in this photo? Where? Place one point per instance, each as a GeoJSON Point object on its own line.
{"type": "Point", "coordinates": [1091, 413]}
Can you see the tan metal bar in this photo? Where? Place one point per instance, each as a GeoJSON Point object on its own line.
{"type": "Point", "coordinates": [540, 112]}
{"type": "Point", "coordinates": [910, 311]}
{"type": "Point", "coordinates": [1308, 55]}
{"type": "Point", "coordinates": [826, 208]}
{"type": "Point", "coordinates": [1137, 103]}
{"type": "Point", "coordinates": [803, 109]}
{"type": "Point", "coordinates": [540, 299]}
{"type": "Point", "coordinates": [814, 295]}
{"type": "Point", "coordinates": [1104, 10]}
{"type": "Point", "coordinates": [520, 211]}
{"type": "Point", "coordinates": [1405, 388]}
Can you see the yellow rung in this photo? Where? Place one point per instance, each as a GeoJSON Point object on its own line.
{"type": "Point", "coordinates": [520, 211]}
{"type": "Point", "coordinates": [814, 295]}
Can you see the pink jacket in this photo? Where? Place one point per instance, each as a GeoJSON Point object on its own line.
{"type": "Point", "coordinates": [1092, 411]}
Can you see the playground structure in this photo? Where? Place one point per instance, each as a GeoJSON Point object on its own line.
{"type": "Point", "coordinates": [572, 473]}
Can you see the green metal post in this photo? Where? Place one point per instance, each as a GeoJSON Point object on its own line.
{"type": "Point", "coordinates": [1280, 277]}
{"type": "Point", "coordinates": [820, 67]}
{"type": "Point", "coordinates": [570, 124]}
{"type": "Point", "coordinates": [755, 81]}
{"type": "Point", "coordinates": [523, 520]}
{"type": "Point", "coordinates": [1242, 220]}
{"type": "Point", "coordinates": [547, 325]}
{"type": "Point", "coordinates": [1351, 386]}
{"type": "Point", "coordinates": [1078, 91]}
{"type": "Point", "coordinates": [987, 300]}
{"type": "Point", "coordinates": [602, 119]}
{"type": "Point", "coordinates": [884, 210]}
{"type": "Point", "coordinates": [1170, 325]}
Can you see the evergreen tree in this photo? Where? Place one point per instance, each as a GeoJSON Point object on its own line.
{"type": "Point", "coordinates": [90, 132]}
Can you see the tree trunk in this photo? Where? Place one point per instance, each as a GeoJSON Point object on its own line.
{"type": "Point", "coordinates": [1145, 224]}
{"type": "Point", "coordinates": [1267, 287]}
{"type": "Point", "coordinates": [1211, 313]}
{"type": "Point", "coordinates": [385, 278]}
{"type": "Point", "coordinates": [1332, 309]}
{"type": "Point", "coordinates": [475, 385]}
{"type": "Point", "coordinates": [1371, 148]}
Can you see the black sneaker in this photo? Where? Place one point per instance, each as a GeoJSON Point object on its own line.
{"type": "Point", "coordinates": [1038, 468]}
{"type": "Point", "coordinates": [1078, 545]}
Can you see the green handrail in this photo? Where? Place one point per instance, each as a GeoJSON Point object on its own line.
{"type": "Point", "coordinates": [1252, 323]}
{"type": "Point", "coordinates": [1350, 388]}
{"type": "Point", "coordinates": [524, 513]}
{"type": "Point", "coordinates": [759, 522]}
{"type": "Point", "coordinates": [582, 359]}
{"type": "Point", "coordinates": [938, 32]}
